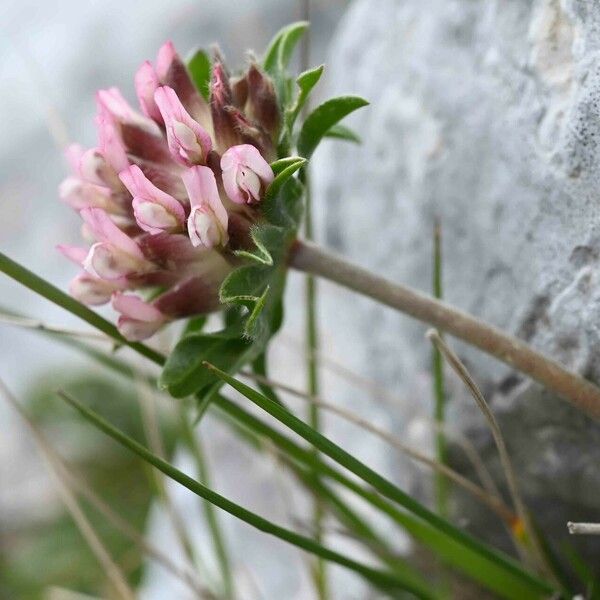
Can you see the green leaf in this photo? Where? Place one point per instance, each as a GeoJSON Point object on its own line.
{"type": "Point", "coordinates": [281, 164]}
{"type": "Point", "coordinates": [341, 132]}
{"type": "Point", "coordinates": [306, 82]}
{"type": "Point", "coordinates": [200, 67]}
{"type": "Point", "coordinates": [458, 540]}
{"type": "Point", "coordinates": [284, 208]}
{"type": "Point", "coordinates": [292, 165]}
{"type": "Point", "coordinates": [279, 51]}
{"type": "Point", "coordinates": [249, 287]}
{"type": "Point", "coordinates": [323, 118]}
{"type": "Point", "coordinates": [182, 374]}
{"type": "Point", "coordinates": [195, 325]}
{"type": "Point", "coordinates": [259, 287]}
{"type": "Point", "coordinates": [265, 237]}
{"type": "Point", "coordinates": [383, 579]}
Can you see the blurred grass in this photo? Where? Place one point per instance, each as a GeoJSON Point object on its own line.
{"type": "Point", "coordinates": [49, 551]}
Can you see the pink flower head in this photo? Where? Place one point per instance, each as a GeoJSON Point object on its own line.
{"type": "Point", "coordinates": [139, 320]}
{"type": "Point", "coordinates": [146, 83]}
{"type": "Point", "coordinates": [115, 255]}
{"type": "Point", "coordinates": [155, 211]}
{"type": "Point", "coordinates": [188, 141]}
{"type": "Point", "coordinates": [246, 174]}
{"type": "Point", "coordinates": [155, 174]}
{"type": "Point", "coordinates": [208, 220]}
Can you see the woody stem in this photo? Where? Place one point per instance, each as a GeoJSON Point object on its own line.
{"type": "Point", "coordinates": [309, 258]}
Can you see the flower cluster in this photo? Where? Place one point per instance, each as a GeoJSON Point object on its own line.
{"type": "Point", "coordinates": [170, 192]}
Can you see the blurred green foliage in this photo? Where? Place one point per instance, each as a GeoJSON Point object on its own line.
{"type": "Point", "coordinates": [43, 551]}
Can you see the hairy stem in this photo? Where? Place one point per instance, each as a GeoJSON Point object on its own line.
{"type": "Point", "coordinates": [583, 394]}
{"type": "Point", "coordinates": [311, 325]}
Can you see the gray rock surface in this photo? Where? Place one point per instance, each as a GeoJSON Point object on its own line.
{"type": "Point", "coordinates": [487, 115]}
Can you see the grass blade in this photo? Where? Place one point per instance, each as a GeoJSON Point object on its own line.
{"type": "Point", "coordinates": [382, 485]}
{"type": "Point", "coordinates": [212, 520]}
{"type": "Point", "coordinates": [383, 579]}
{"type": "Point", "coordinates": [50, 292]}
{"type": "Point", "coordinates": [439, 387]}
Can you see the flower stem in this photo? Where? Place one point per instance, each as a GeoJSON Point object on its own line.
{"type": "Point", "coordinates": [309, 258]}
{"type": "Point", "coordinates": [440, 482]}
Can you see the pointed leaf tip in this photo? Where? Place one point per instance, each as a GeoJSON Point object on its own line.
{"type": "Point", "coordinates": [323, 118]}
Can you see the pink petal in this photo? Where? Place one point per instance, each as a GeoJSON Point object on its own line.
{"type": "Point", "coordinates": [106, 231]}
{"type": "Point", "coordinates": [113, 101]}
{"type": "Point", "coordinates": [107, 262]}
{"type": "Point", "coordinates": [166, 55]}
{"type": "Point", "coordinates": [208, 221]}
{"type": "Point", "coordinates": [188, 140]}
{"type": "Point", "coordinates": [232, 189]}
{"type": "Point", "coordinates": [248, 156]}
{"type": "Point", "coordinates": [137, 331]}
{"type": "Point", "coordinates": [135, 308]}
{"type": "Point", "coordinates": [110, 142]}
{"type": "Point", "coordinates": [240, 185]}
{"type": "Point", "coordinates": [90, 290]}
{"type": "Point", "coordinates": [80, 194]}
{"type": "Point", "coordinates": [94, 167]}
{"type": "Point", "coordinates": [154, 209]}
{"type": "Point", "coordinates": [75, 253]}
{"type": "Point", "coordinates": [146, 82]}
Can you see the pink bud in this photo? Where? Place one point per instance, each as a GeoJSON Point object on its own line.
{"type": "Point", "coordinates": [92, 291]}
{"type": "Point", "coordinates": [188, 141]}
{"type": "Point", "coordinates": [155, 211]}
{"type": "Point", "coordinates": [146, 83]}
{"type": "Point", "coordinates": [245, 174]}
{"type": "Point", "coordinates": [115, 255]}
{"type": "Point", "coordinates": [207, 223]}
{"type": "Point", "coordinates": [139, 320]}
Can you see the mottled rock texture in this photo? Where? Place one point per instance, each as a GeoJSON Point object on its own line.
{"type": "Point", "coordinates": [486, 115]}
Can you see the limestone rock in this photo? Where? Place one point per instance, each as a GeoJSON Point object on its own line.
{"type": "Point", "coordinates": [486, 115]}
